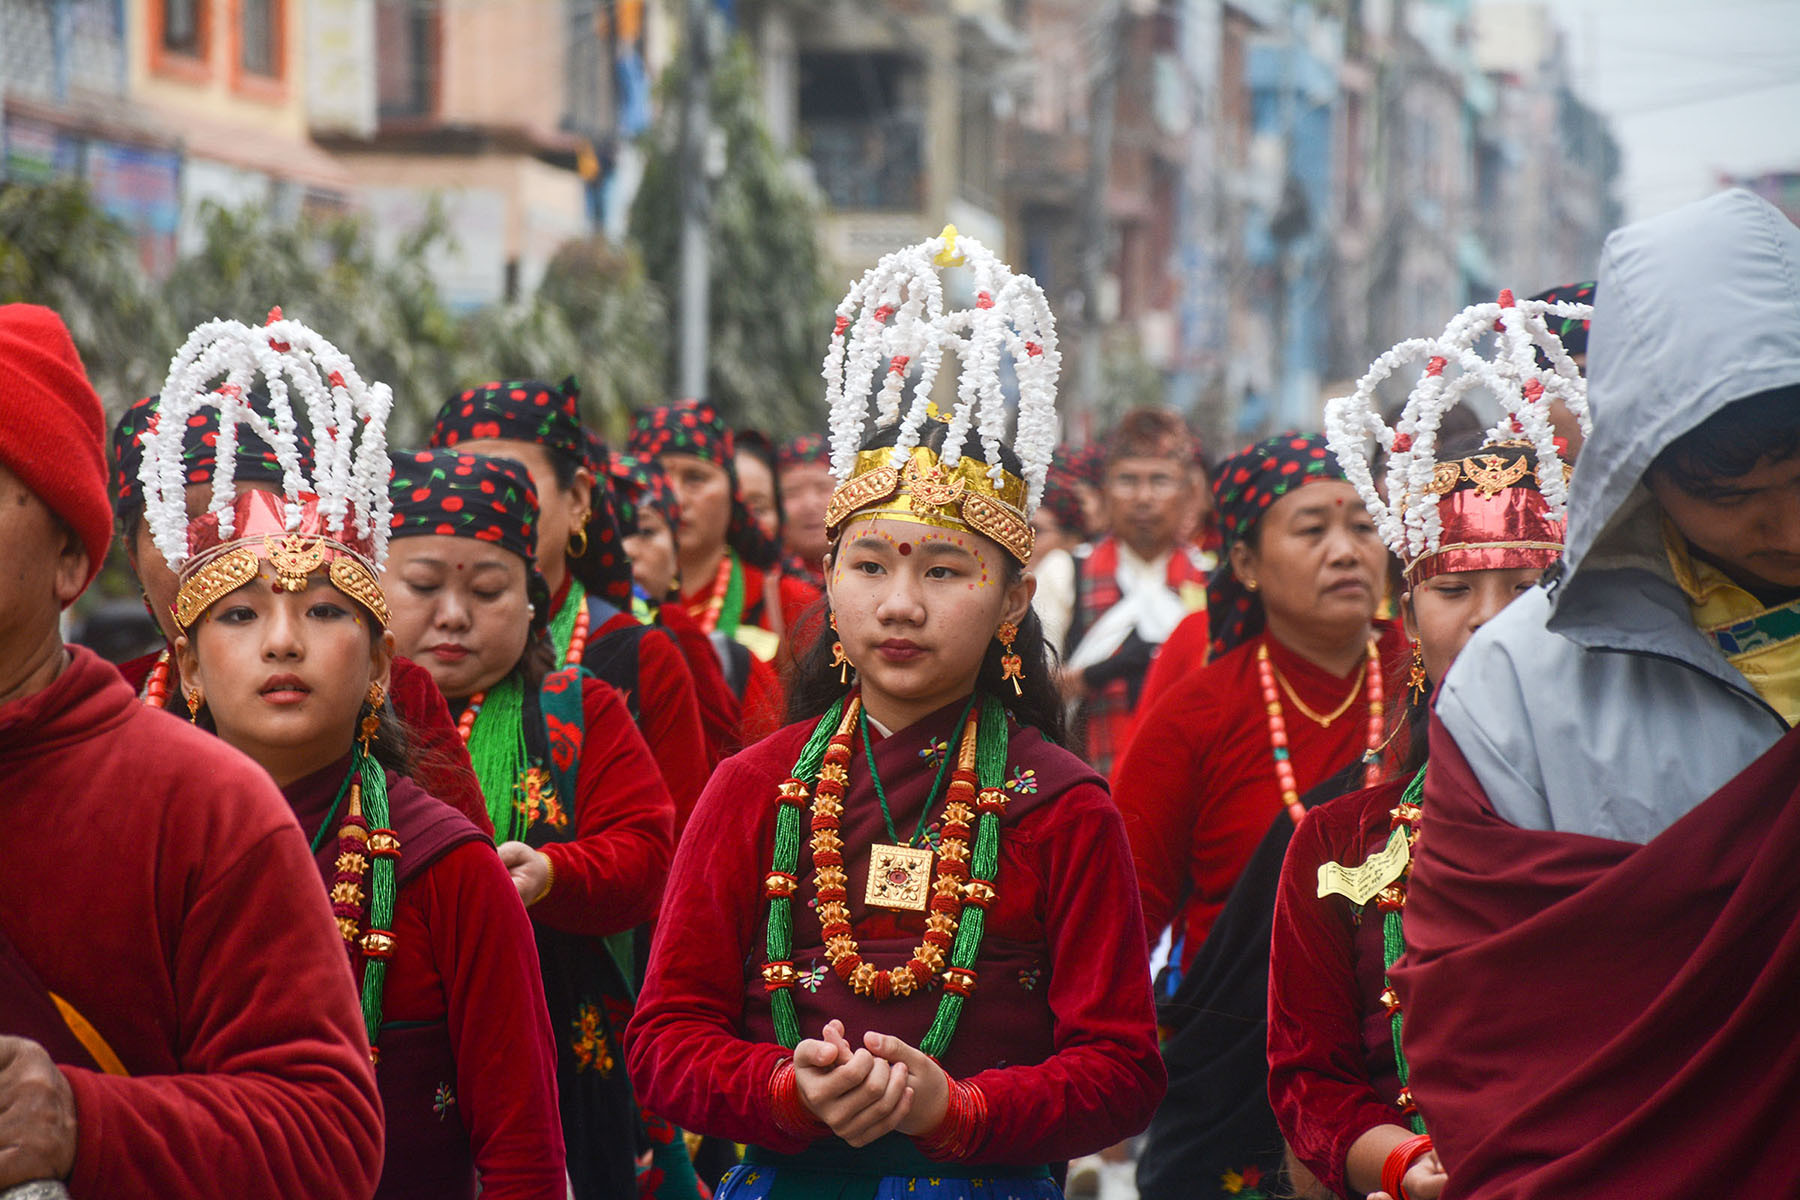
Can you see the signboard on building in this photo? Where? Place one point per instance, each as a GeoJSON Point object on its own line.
{"type": "Point", "coordinates": [340, 66]}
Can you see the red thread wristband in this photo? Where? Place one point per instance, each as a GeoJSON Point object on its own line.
{"type": "Point", "coordinates": [1399, 1161]}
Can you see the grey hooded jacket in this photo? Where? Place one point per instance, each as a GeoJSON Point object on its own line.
{"type": "Point", "coordinates": [1595, 705]}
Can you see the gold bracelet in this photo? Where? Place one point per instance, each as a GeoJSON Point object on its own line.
{"type": "Point", "coordinates": [549, 877]}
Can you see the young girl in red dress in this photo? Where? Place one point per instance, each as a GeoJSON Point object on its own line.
{"type": "Point", "coordinates": [284, 651]}
{"type": "Point", "coordinates": [900, 953]}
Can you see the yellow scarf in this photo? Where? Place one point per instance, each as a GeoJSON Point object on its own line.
{"type": "Point", "coordinates": [1722, 609]}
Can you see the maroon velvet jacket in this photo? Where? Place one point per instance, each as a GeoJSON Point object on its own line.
{"type": "Point", "coordinates": [1332, 1076]}
{"type": "Point", "coordinates": [1602, 1019]}
{"type": "Point", "coordinates": [463, 955]}
{"type": "Point", "coordinates": [153, 877]}
{"type": "Point", "coordinates": [1060, 1035]}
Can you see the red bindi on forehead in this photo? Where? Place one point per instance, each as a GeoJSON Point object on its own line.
{"type": "Point", "coordinates": [905, 548]}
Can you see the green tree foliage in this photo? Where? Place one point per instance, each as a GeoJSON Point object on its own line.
{"type": "Point", "coordinates": [770, 312]}
{"type": "Point", "coordinates": [58, 249]}
{"type": "Point", "coordinates": [595, 315]}
{"type": "Point", "coordinates": [384, 311]}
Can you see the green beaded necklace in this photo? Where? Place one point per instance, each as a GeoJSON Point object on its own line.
{"type": "Point", "coordinates": [497, 749]}
{"type": "Point", "coordinates": [984, 860]}
{"type": "Point", "coordinates": [862, 719]}
{"type": "Point", "coordinates": [382, 889]}
{"type": "Point", "coordinates": [1393, 945]}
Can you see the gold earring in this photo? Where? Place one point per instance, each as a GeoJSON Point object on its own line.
{"type": "Point", "coordinates": [580, 532]}
{"type": "Point", "coordinates": [1250, 584]}
{"type": "Point", "coordinates": [196, 700]}
{"type": "Point", "coordinates": [371, 724]}
{"type": "Point", "coordinates": [1415, 680]}
{"type": "Point", "coordinates": [838, 658]}
{"type": "Point", "coordinates": [1011, 666]}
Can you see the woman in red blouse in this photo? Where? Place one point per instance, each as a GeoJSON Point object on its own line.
{"type": "Point", "coordinates": [581, 554]}
{"type": "Point", "coordinates": [1336, 1082]}
{"type": "Point", "coordinates": [580, 810]}
{"type": "Point", "coordinates": [813, 990]}
{"type": "Point", "coordinates": [1293, 693]}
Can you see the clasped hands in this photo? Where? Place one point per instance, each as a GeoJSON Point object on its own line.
{"type": "Point", "coordinates": [864, 1094]}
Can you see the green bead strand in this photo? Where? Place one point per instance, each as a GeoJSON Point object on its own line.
{"type": "Point", "coordinates": [497, 750]}
{"type": "Point", "coordinates": [381, 889]}
{"type": "Point", "coordinates": [778, 941]}
{"type": "Point", "coordinates": [1393, 945]}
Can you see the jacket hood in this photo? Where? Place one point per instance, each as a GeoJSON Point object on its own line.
{"type": "Point", "coordinates": [1696, 309]}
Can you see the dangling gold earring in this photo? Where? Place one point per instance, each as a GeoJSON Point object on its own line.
{"type": "Point", "coordinates": [371, 724]}
{"type": "Point", "coordinates": [196, 700]}
{"type": "Point", "coordinates": [580, 532]}
{"type": "Point", "coordinates": [1011, 667]}
{"type": "Point", "coordinates": [838, 658]}
{"type": "Point", "coordinates": [1415, 681]}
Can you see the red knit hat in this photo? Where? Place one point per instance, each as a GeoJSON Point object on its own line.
{"type": "Point", "coordinates": [52, 432]}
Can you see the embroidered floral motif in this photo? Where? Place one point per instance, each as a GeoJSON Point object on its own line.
{"type": "Point", "coordinates": [443, 1101]}
{"type": "Point", "coordinates": [814, 979]}
{"type": "Point", "coordinates": [537, 800]}
{"type": "Point", "coordinates": [1245, 1183]}
{"type": "Point", "coordinates": [934, 834]}
{"type": "Point", "coordinates": [565, 741]}
{"type": "Point", "coordinates": [1023, 781]}
{"type": "Point", "coordinates": [1028, 978]}
{"type": "Point", "coordinates": [934, 753]}
{"type": "Point", "coordinates": [592, 1052]}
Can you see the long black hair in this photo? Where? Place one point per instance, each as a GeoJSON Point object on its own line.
{"type": "Point", "coordinates": [815, 687]}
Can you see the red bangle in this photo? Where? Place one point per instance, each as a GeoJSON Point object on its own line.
{"type": "Point", "coordinates": [962, 1129]}
{"type": "Point", "coordinates": [789, 1110]}
{"type": "Point", "coordinates": [1400, 1160]}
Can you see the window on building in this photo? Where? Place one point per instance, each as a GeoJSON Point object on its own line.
{"type": "Point", "coordinates": [406, 39]}
{"type": "Point", "coordinates": [259, 37]}
{"type": "Point", "coordinates": [183, 27]}
{"type": "Point", "coordinates": [862, 119]}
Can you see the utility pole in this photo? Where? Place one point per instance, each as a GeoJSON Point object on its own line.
{"type": "Point", "coordinates": [1103, 101]}
{"type": "Point", "coordinates": [695, 199]}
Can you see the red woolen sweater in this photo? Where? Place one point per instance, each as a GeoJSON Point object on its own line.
{"type": "Point", "coordinates": [155, 879]}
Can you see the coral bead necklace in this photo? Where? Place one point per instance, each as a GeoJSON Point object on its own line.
{"type": "Point", "coordinates": [1370, 676]}
{"type": "Point", "coordinates": [960, 894]}
{"type": "Point", "coordinates": [156, 684]}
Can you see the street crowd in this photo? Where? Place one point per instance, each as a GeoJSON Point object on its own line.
{"type": "Point", "coordinates": [719, 814]}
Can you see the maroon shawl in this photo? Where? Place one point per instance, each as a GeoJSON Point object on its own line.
{"type": "Point", "coordinates": [1600, 1019]}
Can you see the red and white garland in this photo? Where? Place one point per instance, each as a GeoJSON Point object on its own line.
{"type": "Point", "coordinates": [218, 365]}
{"type": "Point", "coordinates": [1407, 516]}
{"type": "Point", "coordinates": [896, 312]}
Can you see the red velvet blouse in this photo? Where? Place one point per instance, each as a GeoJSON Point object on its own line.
{"type": "Point", "coordinates": [1060, 1034]}
{"type": "Point", "coordinates": [1331, 1042]}
{"type": "Point", "coordinates": [668, 713]}
{"type": "Point", "coordinates": [1198, 787]}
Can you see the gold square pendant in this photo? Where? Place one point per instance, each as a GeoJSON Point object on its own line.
{"type": "Point", "coordinates": [899, 877]}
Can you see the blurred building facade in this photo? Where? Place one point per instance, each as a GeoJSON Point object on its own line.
{"type": "Point", "coordinates": [1281, 189]}
{"type": "Point", "coordinates": [493, 117]}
